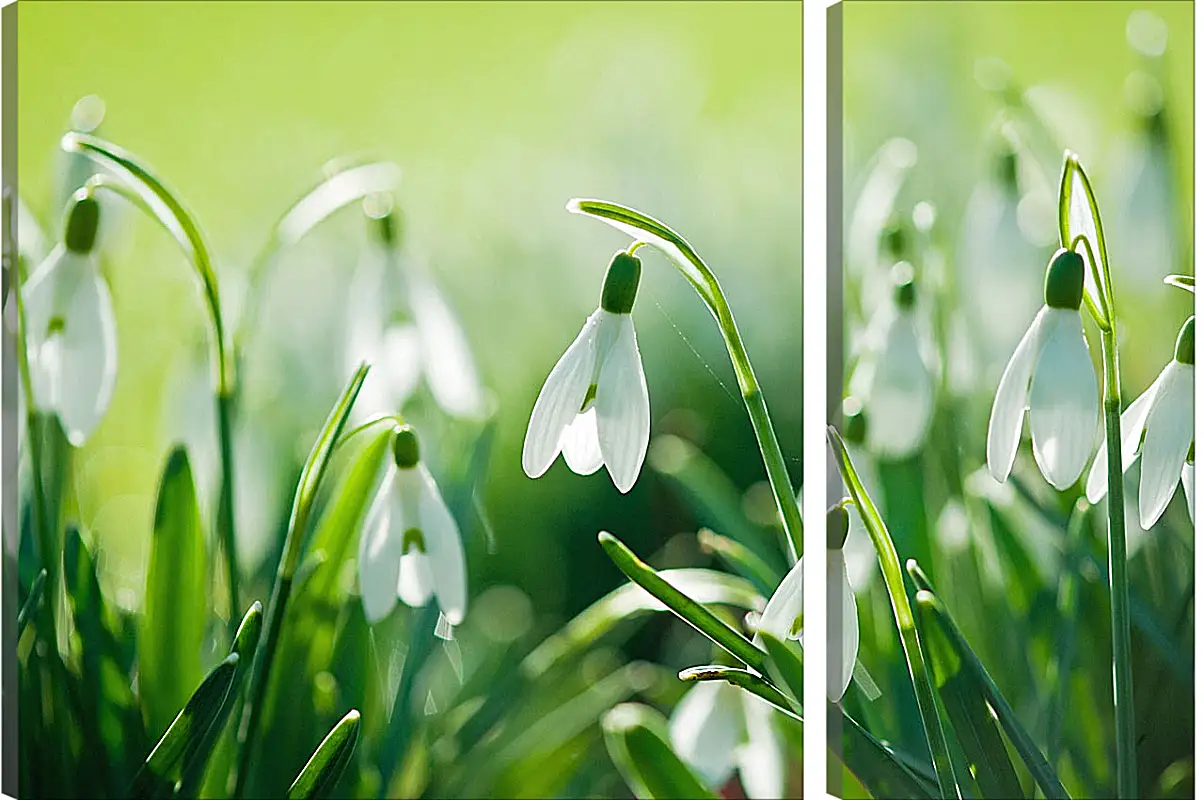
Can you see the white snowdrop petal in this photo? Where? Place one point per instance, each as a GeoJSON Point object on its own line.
{"type": "Point", "coordinates": [396, 368]}
{"type": "Point", "coordinates": [840, 595]}
{"type": "Point", "coordinates": [1189, 490]}
{"type": "Point", "coordinates": [414, 582]}
{"type": "Point", "coordinates": [705, 728]}
{"type": "Point", "coordinates": [444, 548]}
{"type": "Point", "coordinates": [44, 296]}
{"type": "Point", "coordinates": [89, 358]}
{"type": "Point", "coordinates": [1063, 401]}
{"type": "Point", "coordinates": [900, 397]}
{"type": "Point", "coordinates": [1081, 222]}
{"type": "Point", "coordinates": [579, 444]}
{"type": "Point", "coordinates": [1011, 399]}
{"type": "Point", "coordinates": [560, 400]}
{"type": "Point", "coordinates": [785, 606]}
{"type": "Point", "coordinates": [1132, 427]}
{"type": "Point", "coordinates": [380, 550]}
{"type": "Point", "coordinates": [622, 406]}
{"type": "Point", "coordinates": [447, 358]}
{"type": "Point", "coordinates": [761, 760]}
{"type": "Point", "coordinates": [1169, 433]}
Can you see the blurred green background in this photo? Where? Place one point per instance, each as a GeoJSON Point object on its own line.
{"type": "Point", "coordinates": [497, 113]}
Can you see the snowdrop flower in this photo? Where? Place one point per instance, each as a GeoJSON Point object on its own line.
{"type": "Point", "coordinates": [410, 546]}
{"type": "Point", "coordinates": [1160, 427]}
{"type": "Point", "coordinates": [594, 405]}
{"type": "Point", "coordinates": [840, 596]}
{"type": "Point", "coordinates": [1051, 375]}
{"type": "Point", "coordinates": [427, 343]}
{"type": "Point", "coordinates": [895, 378]}
{"type": "Point", "coordinates": [70, 331]}
{"type": "Point", "coordinates": [718, 729]}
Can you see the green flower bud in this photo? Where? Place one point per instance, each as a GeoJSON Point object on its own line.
{"type": "Point", "coordinates": [405, 448]}
{"type": "Point", "coordinates": [854, 421]}
{"type": "Point", "coordinates": [903, 277]}
{"type": "Point", "coordinates": [1185, 347]}
{"type": "Point", "coordinates": [1064, 281]}
{"type": "Point", "coordinates": [83, 218]}
{"type": "Point", "coordinates": [622, 281]}
{"type": "Point", "coordinates": [838, 526]}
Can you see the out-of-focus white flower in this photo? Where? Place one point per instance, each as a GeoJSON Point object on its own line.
{"type": "Point", "coordinates": [410, 546]}
{"type": "Point", "coordinates": [718, 729]}
{"type": "Point", "coordinates": [428, 343]}
{"type": "Point", "coordinates": [70, 333]}
{"type": "Point", "coordinates": [894, 376]}
{"type": "Point", "coordinates": [1160, 427]}
{"type": "Point", "coordinates": [593, 407]}
{"type": "Point", "coordinates": [1051, 376]}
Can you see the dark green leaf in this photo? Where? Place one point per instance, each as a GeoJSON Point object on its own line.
{"type": "Point", "coordinates": [326, 765]}
{"type": "Point", "coordinates": [638, 742]}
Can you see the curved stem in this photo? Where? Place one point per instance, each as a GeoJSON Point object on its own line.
{"type": "Point", "coordinates": [649, 231]}
{"type": "Point", "coordinates": [1118, 582]}
{"type": "Point", "coordinates": [138, 184]}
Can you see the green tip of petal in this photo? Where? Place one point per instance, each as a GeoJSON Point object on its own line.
{"type": "Point", "coordinates": [622, 282]}
{"type": "Point", "coordinates": [83, 219]}
{"type": "Point", "coordinates": [855, 423]}
{"type": "Point", "coordinates": [1185, 347]}
{"type": "Point", "coordinates": [1064, 281]}
{"type": "Point", "coordinates": [413, 539]}
{"type": "Point", "coordinates": [838, 526]}
{"type": "Point", "coordinates": [405, 448]}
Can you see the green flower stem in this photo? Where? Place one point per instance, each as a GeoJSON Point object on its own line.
{"type": "Point", "coordinates": [694, 269]}
{"type": "Point", "coordinates": [690, 611]}
{"type": "Point", "coordinates": [303, 502]}
{"type": "Point", "coordinates": [888, 559]}
{"type": "Point", "coordinates": [749, 682]}
{"type": "Point", "coordinates": [1118, 580]}
{"type": "Point", "coordinates": [138, 184]}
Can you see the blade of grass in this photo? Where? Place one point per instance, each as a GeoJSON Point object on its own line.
{"type": "Point", "coordinates": [326, 765]}
{"type": "Point", "coordinates": [307, 489]}
{"type": "Point", "coordinates": [749, 682]}
{"type": "Point", "coordinates": [875, 764]}
{"type": "Point", "coordinates": [740, 559]}
{"type": "Point", "coordinates": [32, 602]}
{"type": "Point", "coordinates": [638, 742]}
{"type": "Point", "coordinates": [785, 664]}
{"type": "Point", "coordinates": [1042, 772]}
{"type": "Point", "coordinates": [690, 611]}
{"type": "Point", "coordinates": [888, 560]}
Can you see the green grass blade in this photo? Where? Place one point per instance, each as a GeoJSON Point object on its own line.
{"type": "Point", "coordinates": [638, 742]}
{"type": "Point", "coordinates": [326, 765]}
{"type": "Point", "coordinates": [968, 712]}
{"type": "Point", "coordinates": [785, 664]}
{"type": "Point", "coordinates": [740, 560]}
{"type": "Point", "coordinates": [185, 737]}
{"type": "Point", "coordinates": [749, 682]}
{"type": "Point", "coordinates": [690, 611]}
{"type": "Point", "coordinates": [32, 602]}
{"type": "Point", "coordinates": [1037, 765]}
{"type": "Point", "coordinates": [177, 604]}
{"type": "Point", "coordinates": [875, 764]}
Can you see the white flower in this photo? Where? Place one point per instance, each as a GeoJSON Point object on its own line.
{"type": "Point", "coordinates": [70, 332]}
{"type": "Point", "coordinates": [429, 344]}
{"type": "Point", "coordinates": [783, 614]}
{"type": "Point", "coordinates": [594, 405]}
{"type": "Point", "coordinates": [718, 728]}
{"type": "Point", "coordinates": [894, 377]}
{"type": "Point", "coordinates": [410, 546]}
{"type": "Point", "coordinates": [840, 596]}
{"type": "Point", "coordinates": [1051, 375]}
{"type": "Point", "coordinates": [1160, 426]}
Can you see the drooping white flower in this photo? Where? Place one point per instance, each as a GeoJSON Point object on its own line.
{"type": "Point", "coordinates": [593, 407]}
{"type": "Point", "coordinates": [718, 729]}
{"type": "Point", "coordinates": [1050, 375]}
{"type": "Point", "coordinates": [425, 342]}
{"type": "Point", "coordinates": [1160, 427]}
{"type": "Point", "coordinates": [894, 377]}
{"type": "Point", "coordinates": [70, 333]}
{"type": "Point", "coordinates": [410, 546]}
